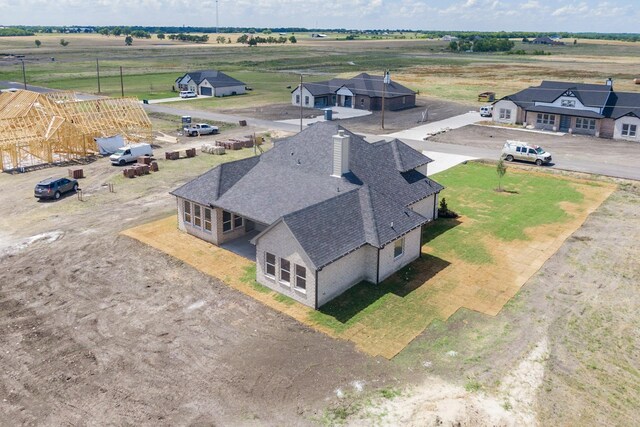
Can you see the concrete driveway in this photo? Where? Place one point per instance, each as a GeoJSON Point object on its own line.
{"type": "Point", "coordinates": [424, 131]}
{"type": "Point", "coordinates": [444, 161]}
{"type": "Point", "coordinates": [174, 99]}
{"type": "Point", "coordinates": [339, 113]}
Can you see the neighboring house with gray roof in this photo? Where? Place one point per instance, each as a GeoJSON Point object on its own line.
{"type": "Point", "coordinates": [581, 108]}
{"type": "Point", "coordinates": [325, 210]}
{"type": "Point", "coordinates": [363, 91]}
{"type": "Point", "coordinates": [210, 83]}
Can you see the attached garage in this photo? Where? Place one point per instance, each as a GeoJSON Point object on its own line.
{"type": "Point", "coordinates": [206, 91]}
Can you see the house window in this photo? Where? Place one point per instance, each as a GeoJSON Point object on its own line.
{"type": "Point", "coordinates": [362, 102]}
{"type": "Point", "coordinates": [270, 265]}
{"type": "Point", "coordinates": [227, 224]}
{"type": "Point", "coordinates": [398, 248]}
{"type": "Point", "coordinates": [231, 221]}
{"type": "Point", "coordinates": [404, 100]}
{"type": "Point", "coordinates": [207, 219]}
{"type": "Point", "coordinates": [306, 100]}
{"type": "Point", "coordinates": [546, 119]}
{"type": "Point", "coordinates": [285, 271]}
{"type": "Point", "coordinates": [301, 277]}
{"type": "Point", "coordinates": [187, 211]}
{"type": "Point", "coordinates": [297, 99]}
{"type": "Point", "coordinates": [197, 215]}
{"type": "Point", "coordinates": [505, 114]}
{"type": "Point", "coordinates": [629, 130]}
{"type": "Point", "coordinates": [568, 103]}
{"type": "Point", "coordinates": [589, 124]}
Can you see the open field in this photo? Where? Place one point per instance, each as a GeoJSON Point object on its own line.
{"type": "Point", "coordinates": [151, 66]}
{"type": "Point", "coordinates": [478, 261]}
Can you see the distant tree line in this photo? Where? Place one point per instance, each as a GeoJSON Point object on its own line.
{"type": "Point", "coordinates": [23, 30]}
{"type": "Point", "coordinates": [189, 38]}
{"type": "Point", "coordinates": [252, 40]}
{"type": "Point", "coordinates": [478, 44]}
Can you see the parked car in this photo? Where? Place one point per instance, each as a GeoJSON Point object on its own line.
{"type": "Point", "coordinates": [517, 150]}
{"type": "Point", "coordinates": [486, 111]}
{"type": "Point", "coordinates": [188, 94]}
{"type": "Point", "coordinates": [196, 129]}
{"type": "Point", "coordinates": [54, 188]}
{"type": "Point", "coordinates": [130, 153]}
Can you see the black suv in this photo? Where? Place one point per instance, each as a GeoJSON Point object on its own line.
{"type": "Point", "coordinates": [53, 188]}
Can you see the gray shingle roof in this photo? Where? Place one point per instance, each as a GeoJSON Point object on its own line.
{"type": "Point", "coordinates": [362, 84]}
{"type": "Point", "coordinates": [329, 216]}
{"type": "Point", "coordinates": [622, 104]}
{"type": "Point", "coordinates": [214, 77]}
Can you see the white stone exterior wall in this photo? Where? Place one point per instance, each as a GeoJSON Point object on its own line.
{"type": "Point", "coordinates": [305, 93]}
{"type": "Point", "coordinates": [425, 207]}
{"type": "Point", "coordinates": [630, 120]}
{"type": "Point", "coordinates": [280, 242]}
{"type": "Point", "coordinates": [229, 90]}
{"type": "Point", "coordinates": [578, 105]}
{"type": "Point", "coordinates": [337, 277]}
{"type": "Point", "coordinates": [389, 264]}
{"type": "Point", "coordinates": [505, 104]}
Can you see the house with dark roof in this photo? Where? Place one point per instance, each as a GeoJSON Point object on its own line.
{"type": "Point", "coordinates": [363, 91]}
{"type": "Point", "coordinates": [580, 108]}
{"type": "Point", "coordinates": [547, 40]}
{"type": "Point", "coordinates": [210, 83]}
{"type": "Point", "coordinates": [325, 210]}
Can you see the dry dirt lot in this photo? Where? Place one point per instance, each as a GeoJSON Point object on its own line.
{"type": "Point", "coordinates": [437, 109]}
{"type": "Point", "coordinates": [98, 328]}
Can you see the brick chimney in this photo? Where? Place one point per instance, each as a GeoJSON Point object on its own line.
{"type": "Point", "coordinates": [340, 154]}
{"type": "Point", "coordinates": [610, 82]}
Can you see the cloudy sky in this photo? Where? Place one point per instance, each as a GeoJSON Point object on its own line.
{"type": "Point", "coordinates": [490, 15]}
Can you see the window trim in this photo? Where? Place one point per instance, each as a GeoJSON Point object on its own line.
{"type": "Point", "coordinates": [304, 278]}
{"type": "Point", "coordinates": [395, 246]}
{"type": "Point", "coordinates": [281, 269]}
{"type": "Point", "coordinates": [505, 113]}
{"type": "Point", "coordinates": [197, 215]}
{"type": "Point", "coordinates": [297, 99]}
{"type": "Point", "coordinates": [306, 100]}
{"type": "Point", "coordinates": [186, 211]}
{"type": "Point", "coordinates": [207, 223]}
{"type": "Point", "coordinates": [233, 218]}
{"type": "Point", "coordinates": [267, 264]}
{"type": "Point", "coordinates": [631, 131]}
{"type": "Point", "coordinates": [546, 119]}
{"type": "Point", "coordinates": [585, 123]}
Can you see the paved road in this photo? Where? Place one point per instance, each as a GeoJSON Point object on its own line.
{"type": "Point", "coordinates": [4, 84]}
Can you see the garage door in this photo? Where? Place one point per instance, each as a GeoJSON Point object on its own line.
{"type": "Point", "coordinates": [206, 91]}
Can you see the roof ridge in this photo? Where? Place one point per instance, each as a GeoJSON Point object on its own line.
{"type": "Point", "coordinates": [365, 197]}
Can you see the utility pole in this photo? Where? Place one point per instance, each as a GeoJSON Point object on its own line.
{"type": "Point", "coordinates": [217, 17]}
{"type": "Point", "coordinates": [24, 75]}
{"type": "Point", "coordinates": [98, 72]}
{"type": "Point", "coordinates": [121, 82]}
{"type": "Point", "coordinates": [300, 102]}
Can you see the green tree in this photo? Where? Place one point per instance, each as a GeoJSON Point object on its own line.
{"type": "Point", "coordinates": [243, 39]}
{"type": "Point", "coordinates": [453, 46]}
{"type": "Point", "coordinates": [221, 39]}
{"type": "Point", "coordinates": [160, 36]}
{"type": "Point", "coordinates": [38, 43]}
{"type": "Point", "coordinates": [293, 39]}
{"type": "Point", "coordinates": [64, 42]}
{"type": "Point", "coordinates": [501, 170]}
{"type": "Point", "coordinates": [253, 41]}
{"type": "Point", "coordinates": [128, 40]}
{"type": "Point", "coordinates": [116, 31]}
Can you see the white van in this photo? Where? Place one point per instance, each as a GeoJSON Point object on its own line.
{"type": "Point", "coordinates": [486, 111]}
{"type": "Point", "coordinates": [188, 94]}
{"type": "Point", "coordinates": [130, 153]}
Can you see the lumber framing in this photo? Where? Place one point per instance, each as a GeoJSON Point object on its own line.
{"type": "Point", "coordinates": [57, 127]}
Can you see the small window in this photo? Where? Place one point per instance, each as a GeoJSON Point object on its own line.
{"type": "Point", "coordinates": [297, 99]}
{"type": "Point", "coordinates": [589, 124]}
{"type": "Point", "coordinates": [227, 225]}
{"type": "Point", "coordinates": [237, 221]}
{"type": "Point", "coordinates": [404, 100]}
{"type": "Point", "coordinates": [197, 215]}
{"type": "Point", "coordinates": [568, 103]}
{"type": "Point", "coordinates": [187, 211]}
{"type": "Point", "coordinates": [546, 119]}
{"type": "Point", "coordinates": [306, 100]}
{"type": "Point", "coordinates": [629, 130]}
{"type": "Point", "coordinates": [398, 248]}
{"type": "Point", "coordinates": [301, 277]}
{"type": "Point", "coordinates": [505, 114]}
{"type": "Point", "coordinates": [517, 149]}
{"type": "Point", "coordinates": [207, 219]}
{"type": "Point", "coordinates": [532, 151]}
{"type": "Point", "coordinates": [285, 271]}
{"type": "Point", "coordinates": [270, 264]}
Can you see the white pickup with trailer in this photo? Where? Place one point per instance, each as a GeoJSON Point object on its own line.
{"type": "Point", "coordinates": [130, 153]}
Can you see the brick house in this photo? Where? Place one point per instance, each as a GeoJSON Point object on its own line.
{"type": "Point", "coordinates": [579, 108]}
{"type": "Point", "coordinates": [324, 209]}
{"type": "Point", "coordinates": [210, 83]}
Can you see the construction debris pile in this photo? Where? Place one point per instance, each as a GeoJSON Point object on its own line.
{"type": "Point", "coordinates": [54, 127]}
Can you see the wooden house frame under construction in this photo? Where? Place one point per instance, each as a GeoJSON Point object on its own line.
{"type": "Point", "coordinates": [40, 128]}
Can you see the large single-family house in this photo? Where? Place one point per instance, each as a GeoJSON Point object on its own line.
{"type": "Point", "coordinates": [580, 108]}
{"type": "Point", "coordinates": [363, 91]}
{"type": "Point", "coordinates": [325, 210]}
{"type": "Point", "coordinates": [210, 83]}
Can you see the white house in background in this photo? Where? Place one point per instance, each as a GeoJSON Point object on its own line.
{"type": "Point", "coordinates": [325, 210]}
{"type": "Point", "coordinates": [580, 108]}
{"type": "Point", "coordinates": [210, 83]}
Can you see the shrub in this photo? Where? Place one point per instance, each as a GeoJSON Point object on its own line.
{"type": "Point", "coordinates": [444, 212]}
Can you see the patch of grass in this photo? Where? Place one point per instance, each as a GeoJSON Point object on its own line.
{"type": "Point", "coordinates": [249, 277]}
{"type": "Point", "coordinates": [472, 385]}
{"type": "Point", "coordinates": [284, 299]}
{"type": "Point", "coordinates": [390, 393]}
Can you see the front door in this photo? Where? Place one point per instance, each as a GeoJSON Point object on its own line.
{"type": "Point", "coordinates": [347, 101]}
{"type": "Point", "coordinates": [565, 123]}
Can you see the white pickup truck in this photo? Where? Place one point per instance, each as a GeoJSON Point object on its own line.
{"type": "Point", "coordinates": [197, 129]}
